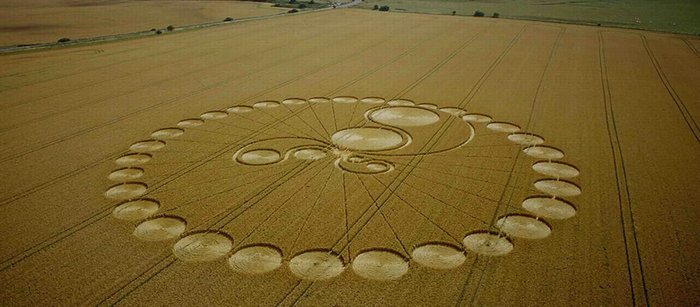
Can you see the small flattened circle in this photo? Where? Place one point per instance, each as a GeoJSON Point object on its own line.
{"type": "Point", "coordinates": [190, 123]}
{"type": "Point", "coordinates": [260, 157]}
{"type": "Point", "coordinates": [269, 104]}
{"type": "Point", "coordinates": [136, 210]}
{"type": "Point", "coordinates": [345, 99]}
{"type": "Point", "coordinates": [557, 187]}
{"type": "Point", "coordinates": [523, 226]}
{"type": "Point", "coordinates": [367, 139]}
{"type": "Point", "coordinates": [544, 152]}
{"type": "Point", "coordinates": [380, 265]}
{"type": "Point", "coordinates": [401, 103]}
{"type": "Point", "coordinates": [373, 100]}
{"type": "Point", "coordinates": [503, 127]}
{"type": "Point", "coordinates": [256, 259]}
{"type": "Point", "coordinates": [453, 111]}
{"type": "Point", "coordinates": [378, 167]}
{"type": "Point", "coordinates": [239, 109]}
{"type": "Point", "coordinates": [126, 174]}
{"type": "Point", "coordinates": [548, 207]}
{"type": "Point", "coordinates": [133, 159]}
{"type": "Point", "coordinates": [167, 133]}
{"type": "Point", "coordinates": [555, 169]}
{"type": "Point", "coordinates": [203, 246]}
{"type": "Point", "coordinates": [488, 243]}
{"type": "Point", "coordinates": [147, 146]}
{"type": "Point", "coordinates": [404, 116]}
{"type": "Point", "coordinates": [427, 106]}
{"type": "Point", "coordinates": [310, 154]}
{"type": "Point", "coordinates": [439, 256]}
{"type": "Point", "coordinates": [214, 115]}
{"type": "Point", "coordinates": [476, 118]}
{"type": "Point", "coordinates": [523, 138]}
{"type": "Point", "coordinates": [316, 265]}
{"type": "Point", "coordinates": [294, 101]}
{"type": "Point", "coordinates": [160, 228]}
{"type": "Point", "coordinates": [127, 190]}
{"type": "Point", "coordinates": [319, 100]}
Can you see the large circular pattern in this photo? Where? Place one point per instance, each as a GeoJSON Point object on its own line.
{"type": "Point", "coordinates": [160, 228]}
{"type": "Point", "coordinates": [133, 159]}
{"type": "Point", "coordinates": [202, 246]}
{"type": "Point", "coordinates": [316, 265]}
{"type": "Point", "coordinates": [260, 157]}
{"type": "Point", "coordinates": [503, 127]}
{"type": "Point", "coordinates": [126, 190]}
{"type": "Point", "coordinates": [404, 117]}
{"type": "Point", "coordinates": [523, 226]}
{"type": "Point", "coordinates": [366, 149]}
{"type": "Point", "coordinates": [557, 187]}
{"type": "Point", "coordinates": [544, 152]}
{"type": "Point", "coordinates": [310, 154]}
{"type": "Point", "coordinates": [477, 118]}
{"type": "Point", "coordinates": [135, 210]}
{"type": "Point", "coordinates": [147, 146]}
{"type": "Point", "coordinates": [214, 115]}
{"type": "Point", "coordinates": [256, 259]}
{"type": "Point", "coordinates": [126, 174]}
{"type": "Point", "coordinates": [167, 133]}
{"type": "Point", "coordinates": [190, 123]}
{"type": "Point", "coordinates": [239, 109]}
{"type": "Point", "coordinates": [488, 243]}
{"type": "Point", "coordinates": [549, 207]}
{"type": "Point", "coordinates": [439, 256]}
{"type": "Point", "coordinates": [556, 169]}
{"type": "Point", "coordinates": [525, 138]}
{"type": "Point", "coordinates": [380, 265]}
{"type": "Point", "coordinates": [367, 139]}
{"type": "Point", "coordinates": [345, 99]}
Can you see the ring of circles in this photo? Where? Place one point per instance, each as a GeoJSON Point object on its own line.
{"type": "Point", "coordinates": [365, 149]}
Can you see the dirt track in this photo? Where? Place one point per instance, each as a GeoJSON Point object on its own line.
{"type": "Point", "coordinates": [620, 105]}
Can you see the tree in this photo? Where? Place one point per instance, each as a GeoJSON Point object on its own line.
{"type": "Point", "coordinates": [496, 15]}
{"type": "Point", "coordinates": [478, 14]}
{"type": "Point", "coordinates": [228, 19]}
{"type": "Point", "coordinates": [170, 28]}
{"type": "Point", "coordinates": [384, 8]}
{"type": "Point", "coordinates": [376, 7]}
{"type": "Point", "coordinates": [454, 12]}
{"type": "Point", "coordinates": [292, 11]}
{"type": "Point", "coordinates": [64, 40]}
{"type": "Point", "coordinates": [302, 6]}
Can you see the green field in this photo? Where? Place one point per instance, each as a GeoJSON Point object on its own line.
{"type": "Point", "coordinates": [680, 16]}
